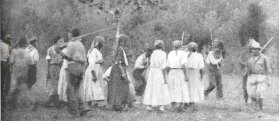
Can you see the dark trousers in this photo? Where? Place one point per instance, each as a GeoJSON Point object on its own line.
{"type": "Point", "coordinates": [5, 79]}
{"type": "Point", "coordinates": [140, 82]}
{"type": "Point", "coordinates": [74, 102]}
{"type": "Point", "coordinates": [244, 87]}
{"type": "Point", "coordinates": [215, 81]}
{"type": "Point", "coordinates": [31, 75]}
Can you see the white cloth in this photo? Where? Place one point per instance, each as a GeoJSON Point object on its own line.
{"type": "Point", "coordinates": [195, 61]}
{"type": "Point", "coordinates": [5, 51]}
{"type": "Point", "coordinates": [34, 54]}
{"type": "Point", "coordinates": [178, 86]}
{"type": "Point", "coordinates": [63, 82]}
{"type": "Point", "coordinates": [211, 59]}
{"type": "Point", "coordinates": [156, 91]}
{"type": "Point", "coordinates": [125, 57]}
{"type": "Point", "coordinates": [90, 90]}
{"type": "Point", "coordinates": [196, 87]}
{"type": "Point", "coordinates": [256, 85]}
{"type": "Point", "coordinates": [140, 61]}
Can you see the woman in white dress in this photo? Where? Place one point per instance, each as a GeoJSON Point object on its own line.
{"type": "Point", "coordinates": [157, 92]}
{"type": "Point", "coordinates": [91, 88]}
{"type": "Point", "coordinates": [194, 66]}
{"type": "Point", "coordinates": [177, 82]}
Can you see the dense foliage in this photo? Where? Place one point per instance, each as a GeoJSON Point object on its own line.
{"type": "Point", "coordinates": [144, 21]}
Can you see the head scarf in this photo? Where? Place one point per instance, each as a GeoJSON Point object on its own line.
{"type": "Point", "coordinates": [158, 43]}
{"type": "Point", "coordinates": [177, 44]}
{"type": "Point", "coordinates": [192, 45]}
{"type": "Point", "coordinates": [98, 40]}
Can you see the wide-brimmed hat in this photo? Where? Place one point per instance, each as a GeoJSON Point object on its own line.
{"type": "Point", "coordinates": [192, 45]}
{"type": "Point", "coordinates": [254, 44]}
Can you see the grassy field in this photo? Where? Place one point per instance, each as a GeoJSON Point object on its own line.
{"type": "Point", "coordinates": [232, 108]}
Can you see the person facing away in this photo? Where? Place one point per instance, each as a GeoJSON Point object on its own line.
{"type": "Point", "coordinates": [195, 74]}
{"type": "Point", "coordinates": [54, 62]}
{"type": "Point", "coordinates": [118, 84]}
{"type": "Point", "coordinates": [75, 54]}
{"type": "Point", "coordinates": [156, 91]}
{"type": "Point", "coordinates": [177, 81]}
{"type": "Point", "coordinates": [91, 86]}
{"type": "Point", "coordinates": [32, 68]}
{"type": "Point", "coordinates": [258, 70]}
{"type": "Point", "coordinates": [214, 61]}
{"type": "Point", "coordinates": [19, 59]}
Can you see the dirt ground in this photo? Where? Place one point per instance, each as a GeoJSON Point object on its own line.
{"type": "Point", "coordinates": [232, 108]}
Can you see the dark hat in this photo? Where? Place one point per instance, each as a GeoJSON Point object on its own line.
{"type": "Point", "coordinates": [75, 32]}
{"type": "Point", "coordinates": [33, 39]}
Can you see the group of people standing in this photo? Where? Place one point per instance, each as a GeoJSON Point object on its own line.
{"type": "Point", "coordinates": [76, 78]}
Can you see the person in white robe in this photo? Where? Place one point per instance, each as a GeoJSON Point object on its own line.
{"type": "Point", "coordinates": [156, 91]}
{"type": "Point", "coordinates": [91, 88]}
{"type": "Point", "coordinates": [177, 81]}
{"type": "Point", "coordinates": [194, 66]}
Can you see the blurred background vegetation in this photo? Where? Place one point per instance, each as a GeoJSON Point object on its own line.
{"type": "Point", "coordinates": [144, 21]}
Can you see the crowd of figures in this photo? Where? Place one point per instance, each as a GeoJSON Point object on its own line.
{"type": "Point", "coordinates": [75, 77]}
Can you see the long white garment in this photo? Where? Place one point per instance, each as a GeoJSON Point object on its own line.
{"type": "Point", "coordinates": [178, 86]}
{"type": "Point", "coordinates": [90, 90]}
{"type": "Point", "coordinates": [156, 91]}
{"type": "Point", "coordinates": [196, 87]}
{"type": "Point", "coordinates": [63, 82]}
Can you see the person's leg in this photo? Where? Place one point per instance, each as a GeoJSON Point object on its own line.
{"type": "Point", "coordinates": [32, 75]}
{"type": "Point", "coordinates": [212, 82]}
{"type": "Point", "coordinates": [3, 80]}
{"type": "Point", "coordinates": [219, 85]}
{"type": "Point", "coordinates": [73, 101]}
{"type": "Point", "coordinates": [244, 86]}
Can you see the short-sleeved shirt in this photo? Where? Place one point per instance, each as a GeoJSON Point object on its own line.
{"type": "Point", "coordinates": [141, 60]}
{"type": "Point", "coordinates": [258, 65]}
{"type": "Point", "coordinates": [34, 54]}
{"type": "Point", "coordinates": [195, 61]}
{"type": "Point", "coordinates": [94, 56]}
{"type": "Point", "coordinates": [53, 57]}
{"type": "Point", "coordinates": [177, 58]}
{"type": "Point", "coordinates": [211, 59]}
{"type": "Point", "coordinates": [76, 51]}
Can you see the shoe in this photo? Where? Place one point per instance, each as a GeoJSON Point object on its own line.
{"type": "Point", "coordinates": [162, 109]}
{"type": "Point", "coordinates": [149, 108]}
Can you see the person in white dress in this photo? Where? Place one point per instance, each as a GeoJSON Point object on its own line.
{"type": "Point", "coordinates": [156, 91]}
{"type": "Point", "coordinates": [177, 81]}
{"type": "Point", "coordinates": [91, 88]}
{"type": "Point", "coordinates": [194, 66]}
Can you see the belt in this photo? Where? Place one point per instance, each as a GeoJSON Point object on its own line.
{"type": "Point", "coordinates": [175, 68]}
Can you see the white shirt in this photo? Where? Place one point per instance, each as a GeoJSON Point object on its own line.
{"type": "Point", "coordinates": [211, 59]}
{"type": "Point", "coordinates": [195, 61]}
{"type": "Point", "coordinates": [94, 55]}
{"type": "Point", "coordinates": [5, 51]}
{"type": "Point", "coordinates": [140, 61]}
{"type": "Point", "coordinates": [158, 59]}
{"type": "Point", "coordinates": [177, 58]}
{"type": "Point", "coordinates": [33, 53]}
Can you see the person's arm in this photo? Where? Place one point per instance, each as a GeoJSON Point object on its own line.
{"type": "Point", "coordinates": [36, 56]}
{"type": "Point", "coordinates": [268, 70]}
{"type": "Point", "coordinates": [120, 60]}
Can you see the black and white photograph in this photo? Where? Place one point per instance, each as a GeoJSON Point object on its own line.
{"type": "Point", "coordinates": [139, 60]}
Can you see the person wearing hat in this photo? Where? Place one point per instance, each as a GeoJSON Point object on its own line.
{"type": "Point", "coordinates": [156, 91]}
{"type": "Point", "coordinates": [245, 55]}
{"type": "Point", "coordinates": [54, 62]}
{"type": "Point", "coordinates": [91, 88]}
{"type": "Point", "coordinates": [32, 68]}
{"type": "Point", "coordinates": [258, 70]}
{"type": "Point", "coordinates": [195, 74]}
{"type": "Point", "coordinates": [177, 80]}
{"type": "Point", "coordinates": [214, 61]}
{"type": "Point", "coordinates": [71, 73]}
{"type": "Point", "coordinates": [5, 66]}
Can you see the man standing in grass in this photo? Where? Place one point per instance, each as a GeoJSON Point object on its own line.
{"type": "Point", "coordinates": [258, 70]}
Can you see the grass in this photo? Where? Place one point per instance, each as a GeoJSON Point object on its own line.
{"type": "Point", "coordinates": [232, 108]}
